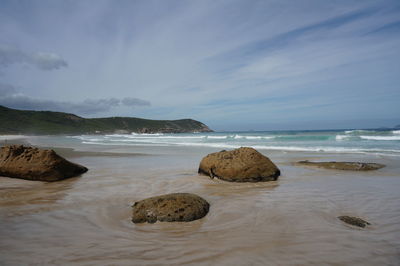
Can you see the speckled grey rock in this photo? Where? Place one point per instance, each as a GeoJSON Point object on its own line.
{"type": "Point", "coordinates": [176, 207]}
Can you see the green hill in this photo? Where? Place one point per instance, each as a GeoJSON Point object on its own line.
{"type": "Point", "coordinates": [52, 123]}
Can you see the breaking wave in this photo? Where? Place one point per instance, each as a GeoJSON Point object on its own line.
{"type": "Point", "coordinates": [350, 141]}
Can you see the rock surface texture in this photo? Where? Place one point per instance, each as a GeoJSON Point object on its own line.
{"type": "Point", "coordinates": [354, 221]}
{"type": "Point", "coordinates": [31, 163]}
{"type": "Point", "coordinates": [176, 207]}
{"type": "Point", "coordinates": [240, 165]}
{"type": "Point", "coordinates": [352, 166]}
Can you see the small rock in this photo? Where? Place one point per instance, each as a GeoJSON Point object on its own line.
{"type": "Point", "coordinates": [240, 165]}
{"type": "Point", "coordinates": [351, 166]}
{"type": "Point", "coordinates": [30, 163]}
{"type": "Point", "coordinates": [354, 221]}
{"type": "Point", "coordinates": [175, 207]}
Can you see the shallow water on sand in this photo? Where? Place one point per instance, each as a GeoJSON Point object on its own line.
{"type": "Point", "coordinates": [87, 220]}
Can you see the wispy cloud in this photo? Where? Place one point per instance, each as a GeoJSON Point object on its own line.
{"type": "Point", "coordinates": [9, 97]}
{"type": "Point", "coordinates": [44, 61]}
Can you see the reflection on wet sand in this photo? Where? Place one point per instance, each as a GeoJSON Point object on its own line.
{"type": "Point", "coordinates": [20, 197]}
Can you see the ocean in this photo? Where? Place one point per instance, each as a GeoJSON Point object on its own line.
{"type": "Point", "coordinates": [86, 220]}
{"type": "Point", "coordinates": [385, 142]}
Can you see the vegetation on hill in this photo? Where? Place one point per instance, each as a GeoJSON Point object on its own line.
{"type": "Point", "coordinates": [14, 121]}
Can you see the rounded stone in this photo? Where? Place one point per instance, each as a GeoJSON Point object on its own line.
{"type": "Point", "coordinates": [349, 166]}
{"type": "Point", "coordinates": [239, 165]}
{"type": "Point", "coordinates": [354, 221]}
{"type": "Point", "coordinates": [31, 163]}
{"type": "Point", "coordinates": [175, 207]}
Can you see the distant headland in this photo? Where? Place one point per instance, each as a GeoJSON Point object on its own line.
{"type": "Point", "coordinates": [14, 121]}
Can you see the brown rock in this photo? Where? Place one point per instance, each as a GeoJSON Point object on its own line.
{"type": "Point", "coordinates": [240, 165]}
{"type": "Point", "coordinates": [30, 163]}
{"type": "Point", "coordinates": [176, 207]}
{"type": "Point", "coordinates": [352, 166]}
{"type": "Point", "coordinates": [354, 221]}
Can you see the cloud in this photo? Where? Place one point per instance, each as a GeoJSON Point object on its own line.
{"type": "Point", "coordinates": [6, 90]}
{"type": "Point", "coordinates": [10, 98]}
{"type": "Point", "coordinates": [128, 101]}
{"type": "Point", "coordinates": [44, 61]}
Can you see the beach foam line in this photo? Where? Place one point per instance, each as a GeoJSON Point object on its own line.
{"type": "Point", "coordinates": [126, 144]}
{"type": "Point", "coordinates": [217, 137]}
{"type": "Point", "coordinates": [260, 147]}
{"type": "Point", "coordinates": [294, 148]}
{"type": "Point", "coordinates": [342, 137]}
{"type": "Point", "coordinates": [11, 137]}
{"type": "Point", "coordinates": [166, 137]}
{"type": "Point", "coordinates": [358, 131]}
{"type": "Point", "coordinates": [147, 134]}
{"type": "Point", "coordinates": [259, 137]}
{"type": "Point", "coordinates": [153, 136]}
{"type": "Point", "coordinates": [396, 132]}
{"type": "Point", "coordinates": [380, 137]}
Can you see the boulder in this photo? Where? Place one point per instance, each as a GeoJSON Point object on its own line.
{"type": "Point", "coordinates": [31, 163]}
{"type": "Point", "coordinates": [240, 165]}
{"type": "Point", "coordinates": [354, 221]}
{"type": "Point", "coordinates": [176, 207]}
{"type": "Point", "coordinates": [352, 166]}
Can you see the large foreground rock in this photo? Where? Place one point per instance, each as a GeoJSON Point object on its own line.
{"type": "Point", "coordinates": [176, 207]}
{"type": "Point", "coordinates": [240, 165]}
{"type": "Point", "coordinates": [352, 166]}
{"type": "Point", "coordinates": [30, 163]}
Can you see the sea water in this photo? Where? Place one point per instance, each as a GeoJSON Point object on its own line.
{"type": "Point", "coordinates": [385, 142]}
{"type": "Point", "coordinates": [86, 220]}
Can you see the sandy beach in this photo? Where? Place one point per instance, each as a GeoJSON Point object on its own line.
{"type": "Point", "coordinates": [292, 221]}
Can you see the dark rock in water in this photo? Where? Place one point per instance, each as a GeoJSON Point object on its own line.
{"type": "Point", "coordinates": [30, 163]}
{"type": "Point", "coordinates": [240, 165]}
{"type": "Point", "coordinates": [354, 221]}
{"type": "Point", "coordinates": [176, 207]}
{"type": "Point", "coordinates": [352, 166]}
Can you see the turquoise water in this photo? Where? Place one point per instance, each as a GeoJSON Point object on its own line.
{"type": "Point", "coordinates": [385, 142]}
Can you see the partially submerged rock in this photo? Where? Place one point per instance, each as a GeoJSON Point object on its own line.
{"type": "Point", "coordinates": [240, 165]}
{"type": "Point", "coordinates": [31, 163]}
{"type": "Point", "coordinates": [352, 166]}
{"type": "Point", "coordinates": [354, 221]}
{"type": "Point", "coordinates": [176, 207]}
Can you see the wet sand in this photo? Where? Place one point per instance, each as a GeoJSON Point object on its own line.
{"type": "Point", "coordinates": [293, 221]}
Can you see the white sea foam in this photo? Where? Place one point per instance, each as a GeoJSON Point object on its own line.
{"type": "Point", "coordinates": [380, 137]}
{"type": "Point", "coordinates": [147, 134]}
{"type": "Point", "coordinates": [294, 148]}
{"type": "Point", "coordinates": [154, 136]}
{"type": "Point", "coordinates": [346, 143]}
{"type": "Point", "coordinates": [10, 137]}
{"type": "Point", "coordinates": [254, 137]}
{"type": "Point", "coordinates": [125, 144]}
{"type": "Point", "coordinates": [341, 137]}
{"type": "Point", "coordinates": [396, 132]}
{"type": "Point", "coordinates": [169, 137]}
{"type": "Point", "coordinates": [358, 131]}
{"type": "Point", "coordinates": [217, 137]}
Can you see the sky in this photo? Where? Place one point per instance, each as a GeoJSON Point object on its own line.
{"type": "Point", "coordinates": [233, 65]}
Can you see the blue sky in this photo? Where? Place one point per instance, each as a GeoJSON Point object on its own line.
{"type": "Point", "coordinates": [234, 65]}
